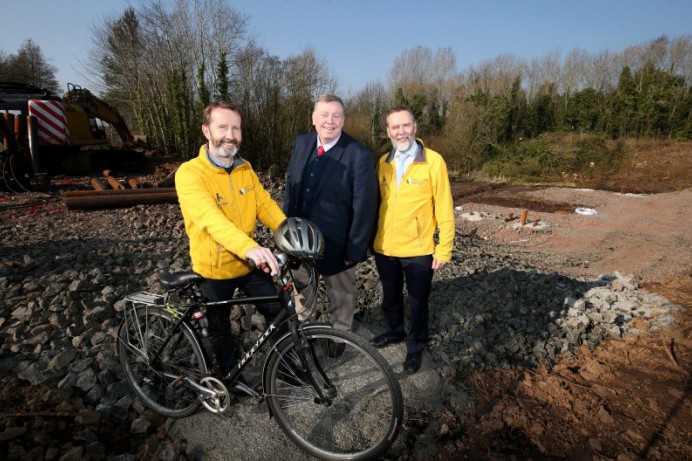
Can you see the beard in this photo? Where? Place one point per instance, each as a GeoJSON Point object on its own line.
{"type": "Point", "coordinates": [403, 143]}
{"type": "Point", "coordinates": [224, 148]}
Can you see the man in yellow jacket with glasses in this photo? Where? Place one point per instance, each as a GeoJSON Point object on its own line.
{"type": "Point", "coordinates": [221, 199]}
{"type": "Point", "coordinates": [415, 201]}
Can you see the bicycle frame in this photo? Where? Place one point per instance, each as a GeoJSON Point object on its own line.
{"type": "Point", "coordinates": [288, 310]}
{"type": "Point", "coordinates": [287, 313]}
{"type": "Point", "coordinates": [319, 398]}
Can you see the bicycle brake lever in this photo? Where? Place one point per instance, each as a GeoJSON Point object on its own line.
{"type": "Point", "coordinates": [281, 258]}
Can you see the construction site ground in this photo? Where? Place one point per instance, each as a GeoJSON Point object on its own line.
{"type": "Point", "coordinates": [628, 399]}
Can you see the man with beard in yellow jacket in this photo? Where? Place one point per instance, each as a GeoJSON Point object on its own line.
{"type": "Point", "coordinates": [221, 199]}
{"type": "Point", "coordinates": [415, 200]}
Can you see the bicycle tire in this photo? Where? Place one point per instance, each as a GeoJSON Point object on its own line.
{"type": "Point", "coordinates": [364, 416]}
{"type": "Point", "coordinates": [162, 388]}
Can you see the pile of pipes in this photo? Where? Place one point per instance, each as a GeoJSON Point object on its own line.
{"type": "Point", "coordinates": [118, 195]}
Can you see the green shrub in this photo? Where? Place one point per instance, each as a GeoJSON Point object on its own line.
{"type": "Point", "coordinates": [593, 152]}
{"type": "Point", "coordinates": [524, 161]}
{"type": "Point", "coordinates": [545, 159]}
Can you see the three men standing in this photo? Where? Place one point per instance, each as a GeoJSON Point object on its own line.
{"type": "Point", "coordinates": [331, 182]}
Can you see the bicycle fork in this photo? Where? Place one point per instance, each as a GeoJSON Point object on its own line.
{"type": "Point", "coordinates": [326, 393]}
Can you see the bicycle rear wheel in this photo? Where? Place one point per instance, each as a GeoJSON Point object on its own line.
{"type": "Point", "coordinates": [363, 413]}
{"type": "Point", "coordinates": [161, 385]}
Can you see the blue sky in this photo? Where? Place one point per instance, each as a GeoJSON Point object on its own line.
{"type": "Point", "coordinates": [360, 39]}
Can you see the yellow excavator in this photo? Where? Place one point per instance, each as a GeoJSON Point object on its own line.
{"type": "Point", "coordinates": [83, 111]}
{"type": "Point", "coordinates": [44, 135]}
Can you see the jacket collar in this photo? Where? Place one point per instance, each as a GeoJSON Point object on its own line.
{"type": "Point", "coordinates": [420, 155]}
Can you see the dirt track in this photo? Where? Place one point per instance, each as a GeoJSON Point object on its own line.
{"type": "Point", "coordinates": [635, 234]}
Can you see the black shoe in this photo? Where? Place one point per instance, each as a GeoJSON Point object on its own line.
{"type": "Point", "coordinates": [413, 362]}
{"type": "Point", "coordinates": [335, 349]}
{"type": "Point", "coordinates": [385, 339]}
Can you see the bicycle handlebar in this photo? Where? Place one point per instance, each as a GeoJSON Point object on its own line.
{"type": "Point", "coordinates": [281, 258]}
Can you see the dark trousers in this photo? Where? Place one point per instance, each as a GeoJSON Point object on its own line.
{"type": "Point", "coordinates": [256, 283]}
{"type": "Point", "coordinates": [417, 272]}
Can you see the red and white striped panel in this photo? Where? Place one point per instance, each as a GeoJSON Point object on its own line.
{"type": "Point", "coordinates": [52, 124]}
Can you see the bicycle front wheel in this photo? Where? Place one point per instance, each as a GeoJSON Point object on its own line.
{"type": "Point", "coordinates": [360, 411]}
{"type": "Point", "coordinates": [160, 383]}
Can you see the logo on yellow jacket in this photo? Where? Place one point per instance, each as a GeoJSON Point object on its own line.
{"type": "Point", "coordinates": [220, 200]}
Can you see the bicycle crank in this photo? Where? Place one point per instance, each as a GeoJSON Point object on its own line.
{"type": "Point", "coordinates": [216, 397]}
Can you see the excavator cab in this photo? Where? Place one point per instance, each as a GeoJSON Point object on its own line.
{"type": "Point", "coordinates": [86, 115]}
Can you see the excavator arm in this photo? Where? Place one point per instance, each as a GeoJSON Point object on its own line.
{"type": "Point", "coordinates": [95, 107]}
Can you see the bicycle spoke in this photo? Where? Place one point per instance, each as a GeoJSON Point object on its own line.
{"type": "Point", "coordinates": [160, 384]}
{"type": "Point", "coordinates": [361, 407]}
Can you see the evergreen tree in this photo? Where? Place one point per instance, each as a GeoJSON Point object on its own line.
{"type": "Point", "coordinates": [581, 112]}
{"type": "Point", "coordinates": [625, 105]}
{"type": "Point", "coordinates": [204, 96]}
{"type": "Point", "coordinates": [399, 97]}
{"type": "Point", "coordinates": [119, 59]}
{"type": "Point", "coordinates": [540, 116]}
{"type": "Point", "coordinates": [516, 112]}
{"type": "Point", "coordinates": [31, 67]}
{"type": "Point", "coordinates": [222, 78]}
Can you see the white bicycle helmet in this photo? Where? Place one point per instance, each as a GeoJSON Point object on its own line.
{"type": "Point", "coordinates": [300, 238]}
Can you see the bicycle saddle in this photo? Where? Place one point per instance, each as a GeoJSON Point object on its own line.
{"type": "Point", "coordinates": [176, 279]}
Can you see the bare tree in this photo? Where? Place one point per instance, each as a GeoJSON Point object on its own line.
{"type": "Point", "coordinates": [494, 76]}
{"type": "Point", "coordinates": [680, 51]}
{"type": "Point", "coordinates": [418, 69]}
{"type": "Point", "coordinates": [4, 61]}
{"type": "Point", "coordinates": [306, 76]}
{"type": "Point", "coordinates": [411, 68]}
{"type": "Point", "coordinates": [277, 98]}
{"type": "Point", "coordinates": [469, 132]}
{"type": "Point", "coordinates": [365, 116]}
{"type": "Point", "coordinates": [159, 59]}
{"type": "Point", "coordinates": [574, 71]}
{"type": "Point", "coordinates": [256, 87]}
{"type": "Point", "coordinates": [603, 72]}
{"type": "Point", "coordinates": [543, 72]}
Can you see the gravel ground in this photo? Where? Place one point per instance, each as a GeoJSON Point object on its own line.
{"type": "Point", "coordinates": [502, 304]}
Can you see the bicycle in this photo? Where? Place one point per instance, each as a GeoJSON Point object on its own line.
{"type": "Point", "coordinates": [332, 406]}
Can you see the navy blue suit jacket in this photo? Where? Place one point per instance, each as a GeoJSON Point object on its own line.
{"type": "Point", "coordinates": [345, 200]}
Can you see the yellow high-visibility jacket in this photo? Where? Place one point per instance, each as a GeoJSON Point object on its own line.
{"type": "Point", "coordinates": [410, 214]}
{"type": "Point", "coordinates": [220, 210]}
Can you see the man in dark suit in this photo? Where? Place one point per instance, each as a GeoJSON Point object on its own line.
{"type": "Point", "coordinates": [331, 182]}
